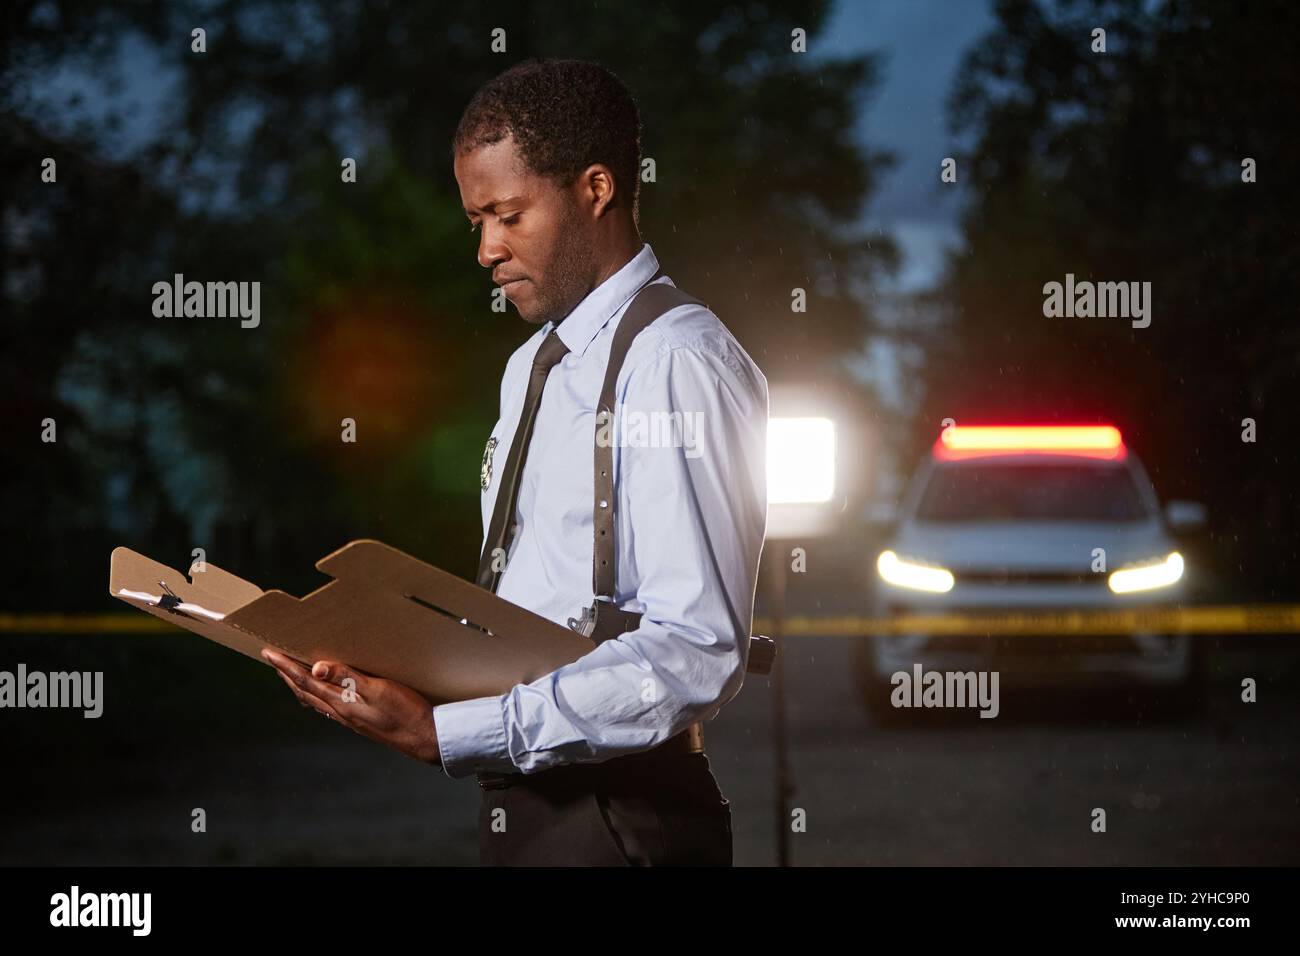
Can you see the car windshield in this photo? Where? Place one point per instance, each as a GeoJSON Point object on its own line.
{"type": "Point", "coordinates": [1031, 492]}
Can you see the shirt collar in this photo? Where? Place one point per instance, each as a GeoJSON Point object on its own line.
{"type": "Point", "coordinates": [579, 327]}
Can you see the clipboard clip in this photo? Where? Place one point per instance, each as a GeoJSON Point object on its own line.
{"type": "Point", "coordinates": [170, 600]}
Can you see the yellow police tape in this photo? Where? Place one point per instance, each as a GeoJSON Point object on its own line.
{"type": "Point", "coordinates": [82, 624]}
{"type": "Point", "coordinates": [1217, 619]}
{"type": "Point", "coordinates": [1209, 619]}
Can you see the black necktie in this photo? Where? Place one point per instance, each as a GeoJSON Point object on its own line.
{"type": "Point", "coordinates": [501, 530]}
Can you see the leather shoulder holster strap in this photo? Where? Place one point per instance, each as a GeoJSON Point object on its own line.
{"type": "Point", "coordinates": [652, 301]}
{"type": "Point", "coordinates": [605, 620]}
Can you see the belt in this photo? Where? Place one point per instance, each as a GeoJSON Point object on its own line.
{"type": "Point", "coordinates": [688, 741]}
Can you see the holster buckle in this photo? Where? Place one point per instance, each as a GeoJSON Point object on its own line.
{"type": "Point", "coordinates": [604, 620]}
{"type": "Point", "coordinates": [585, 623]}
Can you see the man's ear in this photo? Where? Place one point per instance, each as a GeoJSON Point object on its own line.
{"type": "Point", "coordinates": [597, 188]}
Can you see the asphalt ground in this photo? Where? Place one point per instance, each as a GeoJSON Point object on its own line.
{"type": "Point", "coordinates": [189, 725]}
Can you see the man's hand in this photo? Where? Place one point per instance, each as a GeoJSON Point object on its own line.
{"type": "Point", "coordinates": [380, 709]}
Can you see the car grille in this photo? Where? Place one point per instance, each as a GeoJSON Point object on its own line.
{"type": "Point", "coordinates": [1018, 577]}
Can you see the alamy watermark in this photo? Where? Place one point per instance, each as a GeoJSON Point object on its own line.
{"type": "Point", "coordinates": [946, 689]}
{"type": "Point", "coordinates": [1085, 300]}
{"type": "Point", "coordinates": [211, 300]}
{"type": "Point", "coordinates": [75, 908]}
{"type": "Point", "coordinates": [82, 690]}
{"type": "Point", "coordinates": [639, 429]}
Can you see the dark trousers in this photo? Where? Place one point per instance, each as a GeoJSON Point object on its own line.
{"type": "Point", "coordinates": [645, 809]}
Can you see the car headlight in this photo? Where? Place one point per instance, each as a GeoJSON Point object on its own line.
{"type": "Point", "coordinates": [909, 574]}
{"type": "Point", "coordinates": [1148, 575]}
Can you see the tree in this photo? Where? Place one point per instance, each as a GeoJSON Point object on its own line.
{"type": "Point", "coordinates": [182, 434]}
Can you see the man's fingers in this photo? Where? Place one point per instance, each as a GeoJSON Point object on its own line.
{"type": "Point", "coordinates": [328, 680]}
{"type": "Point", "coordinates": [308, 699]}
{"type": "Point", "coordinates": [325, 687]}
{"type": "Point", "coordinates": [340, 675]}
{"type": "Point", "coordinates": [310, 692]}
{"type": "Point", "coordinates": [277, 659]}
{"type": "Point", "coordinates": [292, 686]}
{"type": "Point", "coordinates": [300, 677]}
{"type": "Point", "coordinates": [287, 667]}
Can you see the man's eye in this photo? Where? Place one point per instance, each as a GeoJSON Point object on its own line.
{"type": "Point", "coordinates": [509, 221]}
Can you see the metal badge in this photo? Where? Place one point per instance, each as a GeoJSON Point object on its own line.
{"type": "Point", "coordinates": [485, 473]}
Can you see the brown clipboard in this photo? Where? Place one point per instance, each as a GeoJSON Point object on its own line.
{"type": "Point", "coordinates": [385, 613]}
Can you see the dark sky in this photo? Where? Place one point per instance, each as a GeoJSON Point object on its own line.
{"type": "Point", "coordinates": [923, 42]}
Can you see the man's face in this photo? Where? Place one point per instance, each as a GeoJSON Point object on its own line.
{"type": "Point", "coordinates": [530, 230]}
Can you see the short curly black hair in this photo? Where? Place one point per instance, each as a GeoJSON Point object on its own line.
{"type": "Point", "coordinates": [564, 116]}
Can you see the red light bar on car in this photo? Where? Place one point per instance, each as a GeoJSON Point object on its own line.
{"type": "Point", "coordinates": [1089, 441]}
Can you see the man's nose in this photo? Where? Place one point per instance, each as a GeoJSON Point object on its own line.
{"type": "Point", "coordinates": [491, 250]}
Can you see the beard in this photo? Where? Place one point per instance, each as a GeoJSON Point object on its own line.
{"type": "Point", "coordinates": [567, 270]}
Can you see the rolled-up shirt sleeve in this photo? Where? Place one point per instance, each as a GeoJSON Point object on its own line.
{"type": "Point", "coordinates": [690, 431]}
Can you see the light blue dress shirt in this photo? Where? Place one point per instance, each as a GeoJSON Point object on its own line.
{"type": "Point", "coordinates": [690, 519]}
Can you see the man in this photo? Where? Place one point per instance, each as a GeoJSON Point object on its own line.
{"type": "Point", "coordinates": [598, 762]}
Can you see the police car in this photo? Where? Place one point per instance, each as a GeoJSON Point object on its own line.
{"type": "Point", "coordinates": [1017, 519]}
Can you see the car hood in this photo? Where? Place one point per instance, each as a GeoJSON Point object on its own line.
{"type": "Point", "coordinates": [1030, 546]}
